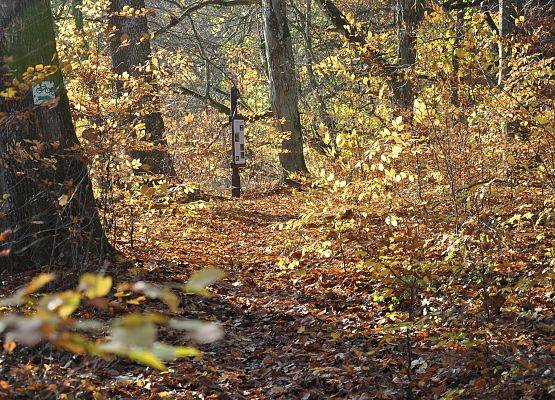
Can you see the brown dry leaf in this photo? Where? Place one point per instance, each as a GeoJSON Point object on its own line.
{"type": "Point", "coordinates": [480, 383]}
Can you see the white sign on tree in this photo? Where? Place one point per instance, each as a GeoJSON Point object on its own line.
{"type": "Point", "coordinates": [239, 142]}
{"type": "Point", "coordinates": [44, 91]}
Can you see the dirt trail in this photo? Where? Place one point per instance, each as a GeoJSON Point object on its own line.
{"type": "Point", "coordinates": [286, 336]}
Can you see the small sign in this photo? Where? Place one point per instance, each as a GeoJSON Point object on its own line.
{"type": "Point", "coordinates": [44, 91]}
{"type": "Point", "coordinates": [239, 142]}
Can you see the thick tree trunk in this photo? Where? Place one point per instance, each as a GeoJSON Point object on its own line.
{"type": "Point", "coordinates": [46, 196]}
{"type": "Point", "coordinates": [409, 15]}
{"type": "Point", "coordinates": [283, 85]}
{"type": "Point", "coordinates": [130, 47]}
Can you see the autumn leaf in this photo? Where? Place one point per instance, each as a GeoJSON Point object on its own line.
{"type": "Point", "coordinates": [199, 280]}
{"type": "Point", "coordinates": [147, 358]}
{"type": "Point", "coordinates": [63, 303]}
{"type": "Point", "coordinates": [37, 283]}
{"type": "Point", "coordinates": [94, 286]}
{"type": "Point", "coordinates": [63, 200]}
{"type": "Point", "coordinates": [158, 292]}
{"type": "Point", "coordinates": [8, 93]}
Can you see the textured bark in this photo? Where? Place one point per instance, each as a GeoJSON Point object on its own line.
{"type": "Point", "coordinates": [40, 160]}
{"type": "Point", "coordinates": [409, 15]}
{"type": "Point", "coordinates": [130, 57]}
{"type": "Point", "coordinates": [284, 85]}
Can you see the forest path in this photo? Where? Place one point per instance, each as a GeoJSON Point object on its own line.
{"type": "Point", "coordinates": [288, 335]}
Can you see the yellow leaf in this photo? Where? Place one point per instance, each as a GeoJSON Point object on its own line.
{"type": "Point", "coordinates": [8, 93]}
{"type": "Point", "coordinates": [460, 52]}
{"type": "Point", "coordinates": [158, 292]}
{"type": "Point", "coordinates": [398, 123]}
{"type": "Point", "coordinates": [201, 279]}
{"type": "Point", "coordinates": [95, 286]}
{"type": "Point", "coordinates": [147, 358]}
{"type": "Point", "coordinates": [391, 220]}
{"type": "Point", "coordinates": [421, 111]}
{"type": "Point", "coordinates": [36, 284]}
{"type": "Point", "coordinates": [74, 343]}
{"type": "Point", "coordinates": [396, 150]}
{"type": "Point", "coordinates": [186, 351]}
{"type": "Point", "coordinates": [63, 200]}
{"type": "Point", "coordinates": [63, 303]}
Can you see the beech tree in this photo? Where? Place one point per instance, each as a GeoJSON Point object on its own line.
{"type": "Point", "coordinates": [46, 197]}
{"type": "Point", "coordinates": [131, 53]}
{"type": "Point", "coordinates": [283, 85]}
{"type": "Point", "coordinates": [409, 13]}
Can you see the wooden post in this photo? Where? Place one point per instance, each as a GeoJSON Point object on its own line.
{"type": "Point", "coordinates": [235, 177]}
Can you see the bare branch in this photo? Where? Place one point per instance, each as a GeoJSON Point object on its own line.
{"type": "Point", "coordinates": [200, 5]}
{"type": "Point", "coordinates": [220, 107]}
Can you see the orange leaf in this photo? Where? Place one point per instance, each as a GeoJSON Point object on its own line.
{"type": "Point", "coordinates": [9, 346]}
{"type": "Point", "coordinates": [480, 383]}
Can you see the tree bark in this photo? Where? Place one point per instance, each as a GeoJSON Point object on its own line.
{"type": "Point", "coordinates": [131, 51]}
{"type": "Point", "coordinates": [283, 85]}
{"type": "Point", "coordinates": [46, 196]}
{"type": "Point", "coordinates": [409, 15]}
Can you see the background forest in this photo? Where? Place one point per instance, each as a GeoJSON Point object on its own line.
{"type": "Point", "coordinates": [395, 233]}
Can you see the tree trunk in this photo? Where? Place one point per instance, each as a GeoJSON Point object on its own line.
{"type": "Point", "coordinates": [47, 195]}
{"type": "Point", "coordinates": [75, 8]}
{"type": "Point", "coordinates": [459, 34]}
{"type": "Point", "coordinates": [130, 47]}
{"type": "Point", "coordinates": [409, 15]}
{"type": "Point", "coordinates": [283, 86]}
{"type": "Point", "coordinates": [507, 9]}
{"type": "Point", "coordinates": [317, 97]}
